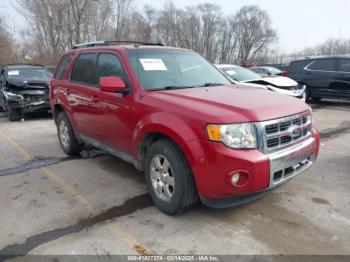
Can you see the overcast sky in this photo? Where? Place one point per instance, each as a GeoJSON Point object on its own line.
{"type": "Point", "coordinates": [300, 23]}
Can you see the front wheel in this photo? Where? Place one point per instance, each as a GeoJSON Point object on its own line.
{"type": "Point", "coordinates": [13, 114]}
{"type": "Point", "coordinates": [169, 178]}
{"type": "Point", "coordinates": [66, 135]}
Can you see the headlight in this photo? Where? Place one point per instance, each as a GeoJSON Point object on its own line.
{"type": "Point", "coordinates": [12, 96]}
{"type": "Point", "coordinates": [238, 136]}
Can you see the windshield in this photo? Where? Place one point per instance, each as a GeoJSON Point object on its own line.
{"type": "Point", "coordinates": [171, 69]}
{"type": "Point", "coordinates": [29, 74]}
{"type": "Point", "coordinates": [273, 71]}
{"type": "Point", "coordinates": [241, 74]}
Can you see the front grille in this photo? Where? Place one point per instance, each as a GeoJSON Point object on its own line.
{"type": "Point", "coordinates": [289, 171]}
{"type": "Point", "coordinates": [283, 132]}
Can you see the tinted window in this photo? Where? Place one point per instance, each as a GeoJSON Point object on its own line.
{"type": "Point", "coordinates": [324, 65]}
{"type": "Point", "coordinates": [298, 65]}
{"type": "Point", "coordinates": [344, 65]}
{"type": "Point", "coordinates": [84, 70]}
{"type": "Point", "coordinates": [2, 77]}
{"type": "Point", "coordinates": [110, 65]}
{"type": "Point", "coordinates": [61, 69]}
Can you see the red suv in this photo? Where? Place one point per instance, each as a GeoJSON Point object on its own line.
{"type": "Point", "coordinates": [176, 117]}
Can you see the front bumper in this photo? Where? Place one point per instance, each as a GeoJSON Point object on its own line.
{"type": "Point", "coordinates": [297, 93]}
{"type": "Point", "coordinates": [30, 107]}
{"type": "Point", "coordinates": [266, 172]}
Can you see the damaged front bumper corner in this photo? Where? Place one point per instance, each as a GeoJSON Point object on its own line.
{"type": "Point", "coordinates": [17, 101]}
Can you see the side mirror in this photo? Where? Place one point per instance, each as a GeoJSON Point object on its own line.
{"type": "Point", "coordinates": [112, 84]}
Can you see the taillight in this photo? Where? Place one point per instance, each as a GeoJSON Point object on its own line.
{"type": "Point", "coordinates": [285, 73]}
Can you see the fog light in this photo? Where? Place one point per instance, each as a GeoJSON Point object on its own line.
{"type": "Point", "coordinates": [235, 179]}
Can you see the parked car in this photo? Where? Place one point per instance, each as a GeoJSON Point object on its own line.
{"type": "Point", "coordinates": [51, 69]}
{"type": "Point", "coordinates": [326, 77]}
{"type": "Point", "coordinates": [24, 89]}
{"type": "Point", "coordinates": [176, 117]}
{"type": "Point", "coordinates": [283, 85]}
{"type": "Point", "coordinates": [267, 71]}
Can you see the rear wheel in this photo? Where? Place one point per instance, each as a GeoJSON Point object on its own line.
{"type": "Point", "coordinates": [169, 178]}
{"type": "Point", "coordinates": [66, 135]}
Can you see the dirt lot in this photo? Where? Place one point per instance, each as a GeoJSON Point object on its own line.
{"type": "Point", "coordinates": [97, 204]}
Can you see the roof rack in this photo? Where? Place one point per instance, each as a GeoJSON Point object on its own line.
{"type": "Point", "coordinates": [23, 64]}
{"type": "Point", "coordinates": [114, 42]}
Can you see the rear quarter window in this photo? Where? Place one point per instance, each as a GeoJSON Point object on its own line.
{"type": "Point", "coordinates": [62, 66]}
{"type": "Point", "coordinates": [324, 65]}
{"type": "Point", "coordinates": [297, 66]}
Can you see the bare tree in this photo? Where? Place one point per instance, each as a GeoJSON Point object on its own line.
{"type": "Point", "coordinates": [56, 25]}
{"type": "Point", "coordinates": [123, 11]}
{"type": "Point", "coordinates": [6, 44]}
{"type": "Point", "coordinates": [332, 46]}
{"type": "Point", "coordinates": [253, 32]}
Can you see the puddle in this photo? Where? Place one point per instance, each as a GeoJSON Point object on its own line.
{"type": "Point", "coordinates": [130, 206]}
{"type": "Point", "coordinates": [331, 133]}
{"type": "Point", "coordinates": [39, 162]}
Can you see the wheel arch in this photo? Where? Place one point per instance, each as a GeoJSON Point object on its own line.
{"type": "Point", "coordinates": [162, 126]}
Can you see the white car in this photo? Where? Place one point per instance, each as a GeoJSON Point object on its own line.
{"type": "Point", "coordinates": [280, 84]}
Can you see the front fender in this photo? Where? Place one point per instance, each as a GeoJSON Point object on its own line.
{"type": "Point", "coordinates": [167, 124]}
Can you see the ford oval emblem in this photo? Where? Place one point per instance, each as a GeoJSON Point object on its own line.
{"type": "Point", "coordinates": [296, 132]}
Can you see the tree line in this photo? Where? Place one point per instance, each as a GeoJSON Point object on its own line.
{"type": "Point", "coordinates": [53, 26]}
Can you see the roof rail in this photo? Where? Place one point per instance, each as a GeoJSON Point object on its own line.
{"type": "Point", "coordinates": [114, 42]}
{"type": "Point", "coordinates": [23, 64]}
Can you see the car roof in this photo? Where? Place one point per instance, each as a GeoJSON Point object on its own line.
{"type": "Point", "coordinates": [221, 66]}
{"type": "Point", "coordinates": [309, 58]}
{"type": "Point", "coordinates": [125, 47]}
{"type": "Point", "coordinates": [21, 66]}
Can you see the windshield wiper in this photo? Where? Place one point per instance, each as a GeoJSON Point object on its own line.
{"type": "Point", "coordinates": [169, 88]}
{"type": "Point", "coordinates": [212, 84]}
{"type": "Point", "coordinates": [183, 87]}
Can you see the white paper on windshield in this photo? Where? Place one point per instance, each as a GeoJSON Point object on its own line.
{"type": "Point", "coordinates": [231, 72]}
{"type": "Point", "coordinates": [153, 64]}
{"type": "Point", "coordinates": [13, 73]}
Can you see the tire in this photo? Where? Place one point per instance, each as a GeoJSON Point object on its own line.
{"type": "Point", "coordinates": [66, 136]}
{"type": "Point", "coordinates": [309, 98]}
{"type": "Point", "coordinates": [177, 183]}
{"type": "Point", "coordinates": [13, 114]}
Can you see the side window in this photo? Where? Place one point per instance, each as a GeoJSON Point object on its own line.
{"type": "Point", "coordinates": [110, 65]}
{"type": "Point", "coordinates": [61, 69]}
{"type": "Point", "coordinates": [2, 77]}
{"type": "Point", "coordinates": [324, 65]}
{"type": "Point", "coordinates": [344, 65]}
{"type": "Point", "coordinates": [84, 70]}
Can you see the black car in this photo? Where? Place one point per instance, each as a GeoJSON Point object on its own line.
{"type": "Point", "coordinates": [326, 77]}
{"type": "Point", "coordinates": [24, 89]}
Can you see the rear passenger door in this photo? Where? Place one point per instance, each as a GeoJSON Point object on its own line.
{"type": "Point", "coordinates": [82, 94]}
{"type": "Point", "coordinates": [343, 77]}
{"type": "Point", "coordinates": [322, 75]}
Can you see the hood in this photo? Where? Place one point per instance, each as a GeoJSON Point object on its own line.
{"type": "Point", "coordinates": [278, 81]}
{"type": "Point", "coordinates": [27, 84]}
{"type": "Point", "coordinates": [231, 104]}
